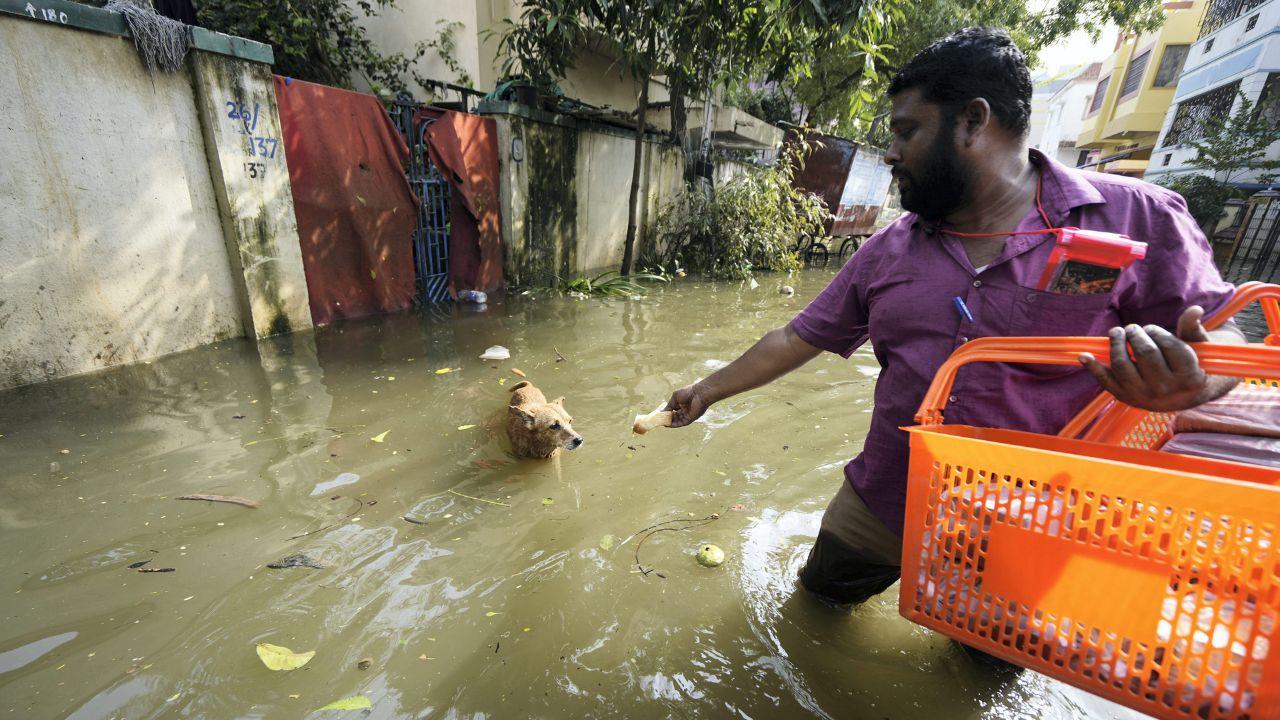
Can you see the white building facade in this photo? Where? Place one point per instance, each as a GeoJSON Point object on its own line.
{"type": "Point", "coordinates": [1238, 51]}
{"type": "Point", "coordinates": [1064, 110]}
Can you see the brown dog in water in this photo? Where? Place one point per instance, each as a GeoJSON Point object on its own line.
{"type": "Point", "coordinates": [537, 428]}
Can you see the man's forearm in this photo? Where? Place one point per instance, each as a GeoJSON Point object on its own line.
{"type": "Point", "coordinates": [777, 353]}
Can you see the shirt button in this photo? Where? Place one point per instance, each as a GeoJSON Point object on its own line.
{"type": "Point", "coordinates": [953, 399]}
{"type": "Point", "coordinates": [1031, 298]}
{"type": "Point", "coordinates": [977, 283]}
{"type": "Point", "coordinates": [963, 339]}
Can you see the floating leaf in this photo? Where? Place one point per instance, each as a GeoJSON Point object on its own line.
{"type": "Point", "coordinates": [373, 274]}
{"type": "Point", "coordinates": [491, 613]}
{"type": "Point", "coordinates": [465, 427]}
{"type": "Point", "coordinates": [606, 542]}
{"type": "Point", "coordinates": [517, 372]}
{"type": "Point", "coordinates": [380, 437]}
{"type": "Point", "coordinates": [548, 501]}
{"type": "Point", "coordinates": [444, 370]}
{"type": "Point", "coordinates": [355, 702]}
{"type": "Point", "coordinates": [276, 657]}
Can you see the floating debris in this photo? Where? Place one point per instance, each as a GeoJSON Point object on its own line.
{"type": "Point", "coordinates": [355, 702]}
{"type": "Point", "coordinates": [278, 657]}
{"type": "Point", "coordinates": [345, 478]}
{"type": "Point", "coordinates": [497, 352]}
{"type": "Point", "coordinates": [295, 560]}
{"type": "Point", "coordinates": [710, 556]}
{"type": "Point", "coordinates": [233, 499]}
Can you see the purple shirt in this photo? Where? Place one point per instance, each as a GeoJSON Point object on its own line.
{"type": "Point", "coordinates": [897, 290]}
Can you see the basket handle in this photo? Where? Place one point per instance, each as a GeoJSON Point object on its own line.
{"type": "Point", "coordinates": [1265, 294]}
{"type": "Point", "coordinates": [1215, 358]}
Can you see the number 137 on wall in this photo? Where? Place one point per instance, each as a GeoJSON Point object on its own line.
{"type": "Point", "coordinates": [263, 147]}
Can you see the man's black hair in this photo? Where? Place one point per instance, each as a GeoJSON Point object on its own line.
{"type": "Point", "coordinates": [977, 62]}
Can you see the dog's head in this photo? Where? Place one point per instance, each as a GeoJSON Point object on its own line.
{"type": "Point", "coordinates": [551, 423]}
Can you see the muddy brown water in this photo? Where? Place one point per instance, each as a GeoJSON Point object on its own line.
{"type": "Point", "coordinates": [528, 608]}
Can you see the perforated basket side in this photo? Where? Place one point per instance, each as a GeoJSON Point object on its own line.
{"type": "Point", "coordinates": [1096, 574]}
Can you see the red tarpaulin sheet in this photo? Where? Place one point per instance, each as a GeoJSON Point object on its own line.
{"type": "Point", "coordinates": [356, 212]}
{"type": "Point", "coordinates": [464, 148]}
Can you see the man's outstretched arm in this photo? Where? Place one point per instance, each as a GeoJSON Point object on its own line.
{"type": "Point", "coordinates": [777, 353]}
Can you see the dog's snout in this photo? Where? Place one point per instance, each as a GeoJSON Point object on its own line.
{"type": "Point", "coordinates": [575, 442]}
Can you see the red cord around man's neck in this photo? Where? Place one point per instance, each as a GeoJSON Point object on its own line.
{"type": "Point", "coordinates": [1049, 229]}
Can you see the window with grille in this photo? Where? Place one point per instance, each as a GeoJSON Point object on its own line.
{"type": "Point", "coordinates": [1099, 95]}
{"type": "Point", "coordinates": [1133, 76]}
{"type": "Point", "coordinates": [1171, 65]}
{"type": "Point", "coordinates": [1253, 23]}
{"type": "Point", "coordinates": [1188, 121]}
{"type": "Point", "coordinates": [1269, 101]}
{"type": "Point", "coordinates": [1221, 12]}
{"type": "Point", "coordinates": [1082, 158]}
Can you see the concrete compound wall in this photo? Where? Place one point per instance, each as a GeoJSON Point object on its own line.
{"type": "Point", "coordinates": [112, 243]}
{"type": "Point", "coordinates": [563, 190]}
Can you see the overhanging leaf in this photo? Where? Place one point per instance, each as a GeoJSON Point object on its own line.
{"type": "Point", "coordinates": [277, 657]}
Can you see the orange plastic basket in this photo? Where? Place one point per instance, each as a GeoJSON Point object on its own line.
{"type": "Point", "coordinates": [1148, 578]}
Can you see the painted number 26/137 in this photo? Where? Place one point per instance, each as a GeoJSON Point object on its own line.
{"type": "Point", "coordinates": [255, 170]}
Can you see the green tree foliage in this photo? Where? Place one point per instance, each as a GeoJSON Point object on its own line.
{"type": "Point", "coordinates": [694, 45]}
{"type": "Point", "coordinates": [1206, 197]}
{"type": "Point", "coordinates": [752, 223]}
{"type": "Point", "coordinates": [323, 41]}
{"type": "Point", "coordinates": [844, 87]}
{"type": "Point", "coordinates": [1229, 147]}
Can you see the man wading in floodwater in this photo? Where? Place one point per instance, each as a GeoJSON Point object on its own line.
{"type": "Point", "coordinates": [959, 153]}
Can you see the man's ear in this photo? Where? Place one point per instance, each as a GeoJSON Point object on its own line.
{"type": "Point", "coordinates": [975, 119]}
{"type": "Point", "coordinates": [558, 401]}
{"type": "Point", "coordinates": [524, 415]}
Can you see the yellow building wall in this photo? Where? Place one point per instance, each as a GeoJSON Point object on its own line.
{"type": "Point", "coordinates": [1135, 119]}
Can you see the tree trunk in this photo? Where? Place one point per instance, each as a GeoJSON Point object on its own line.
{"type": "Point", "coordinates": [680, 132]}
{"type": "Point", "coordinates": [633, 207]}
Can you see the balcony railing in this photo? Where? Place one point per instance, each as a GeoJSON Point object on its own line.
{"type": "Point", "coordinates": [1222, 12]}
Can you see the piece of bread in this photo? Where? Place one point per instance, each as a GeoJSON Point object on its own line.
{"type": "Point", "coordinates": [657, 418]}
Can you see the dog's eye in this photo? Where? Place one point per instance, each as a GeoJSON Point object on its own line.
{"type": "Point", "coordinates": [555, 426]}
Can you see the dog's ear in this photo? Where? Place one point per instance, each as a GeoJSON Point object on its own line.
{"type": "Point", "coordinates": [524, 415]}
{"type": "Point", "coordinates": [558, 401]}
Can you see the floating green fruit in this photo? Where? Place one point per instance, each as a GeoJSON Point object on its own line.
{"type": "Point", "coordinates": [710, 555]}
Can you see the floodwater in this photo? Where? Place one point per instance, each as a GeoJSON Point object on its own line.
{"type": "Point", "coordinates": [515, 594]}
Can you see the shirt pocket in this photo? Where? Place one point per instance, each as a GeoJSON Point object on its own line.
{"type": "Point", "coordinates": [1039, 313]}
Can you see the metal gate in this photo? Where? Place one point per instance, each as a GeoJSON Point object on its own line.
{"type": "Point", "coordinates": [1255, 254]}
{"type": "Point", "coordinates": [431, 236]}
